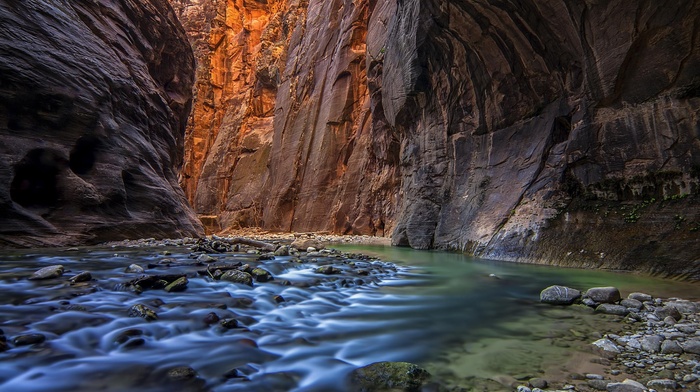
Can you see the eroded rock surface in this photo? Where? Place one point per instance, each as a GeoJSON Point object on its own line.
{"type": "Point", "coordinates": [549, 131]}
{"type": "Point", "coordinates": [94, 99]}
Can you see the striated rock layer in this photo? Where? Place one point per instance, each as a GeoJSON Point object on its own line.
{"type": "Point", "coordinates": [560, 132]}
{"type": "Point", "coordinates": [94, 99]}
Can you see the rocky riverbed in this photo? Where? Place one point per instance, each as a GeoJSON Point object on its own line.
{"type": "Point", "coordinates": [285, 312]}
{"type": "Point", "coordinates": [656, 348]}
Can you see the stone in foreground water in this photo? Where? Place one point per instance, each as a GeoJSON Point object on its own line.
{"type": "Point", "coordinates": [50, 272]}
{"type": "Point", "coordinates": [388, 376]}
{"type": "Point", "coordinates": [559, 295]}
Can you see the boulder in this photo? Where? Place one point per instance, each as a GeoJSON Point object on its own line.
{"type": "Point", "coordinates": [603, 295]}
{"type": "Point", "coordinates": [691, 346]}
{"type": "Point", "coordinates": [559, 295]}
{"type": "Point", "coordinates": [381, 376]}
{"type": "Point", "coordinates": [143, 311]}
{"type": "Point", "coordinates": [651, 343]}
{"type": "Point", "coordinates": [641, 297]}
{"type": "Point", "coordinates": [237, 276]}
{"type": "Point", "coordinates": [631, 303]}
{"type": "Point", "coordinates": [50, 272]}
{"type": "Point", "coordinates": [261, 275]}
{"type": "Point", "coordinates": [179, 284]}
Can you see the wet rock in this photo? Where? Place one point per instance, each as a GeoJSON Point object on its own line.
{"type": "Point", "coordinates": [641, 297]}
{"type": "Point", "coordinates": [631, 303]}
{"type": "Point", "coordinates": [134, 268]}
{"type": "Point", "coordinates": [388, 375]}
{"type": "Point", "coordinates": [663, 385]}
{"type": "Point", "coordinates": [282, 251]}
{"type": "Point", "coordinates": [211, 318]}
{"type": "Point", "coordinates": [523, 388]}
{"type": "Point", "coordinates": [205, 258]}
{"type": "Point", "coordinates": [237, 276]}
{"type": "Point", "coordinates": [666, 311]}
{"type": "Point", "coordinates": [603, 295]}
{"type": "Point", "coordinates": [229, 323]}
{"type": "Point", "coordinates": [265, 257]}
{"type": "Point", "coordinates": [625, 386]}
{"type": "Point", "coordinates": [278, 299]}
{"type": "Point", "coordinates": [327, 270]}
{"type": "Point", "coordinates": [179, 284]}
{"type": "Point", "coordinates": [559, 295]}
{"type": "Point", "coordinates": [25, 340]}
{"type": "Point", "coordinates": [127, 334]}
{"type": "Point", "coordinates": [50, 272]}
{"type": "Point", "coordinates": [181, 373]}
{"type": "Point", "coordinates": [84, 276]}
{"type": "Point", "coordinates": [261, 275]}
{"type": "Point", "coordinates": [617, 310]}
{"type": "Point", "coordinates": [143, 311]}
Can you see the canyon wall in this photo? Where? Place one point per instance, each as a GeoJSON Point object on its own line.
{"type": "Point", "coordinates": [94, 99]}
{"type": "Point", "coordinates": [559, 132]}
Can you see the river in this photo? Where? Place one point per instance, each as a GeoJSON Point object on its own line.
{"type": "Point", "coordinates": [468, 321]}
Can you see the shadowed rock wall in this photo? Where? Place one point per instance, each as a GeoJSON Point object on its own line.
{"type": "Point", "coordinates": [560, 132]}
{"type": "Point", "coordinates": [94, 99]}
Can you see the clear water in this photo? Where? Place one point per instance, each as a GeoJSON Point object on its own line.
{"type": "Point", "coordinates": [443, 311]}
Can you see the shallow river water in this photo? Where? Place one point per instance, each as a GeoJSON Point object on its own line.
{"type": "Point", "coordinates": [443, 311]}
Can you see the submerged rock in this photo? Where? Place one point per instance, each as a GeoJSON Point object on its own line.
{"type": "Point", "coordinates": [617, 310]}
{"type": "Point", "coordinates": [559, 295]}
{"type": "Point", "coordinates": [134, 268]}
{"type": "Point", "coordinates": [388, 376]}
{"type": "Point", "coordinates": [327, 270]}
{"type": "Point", "coordinates": [143, 311]}
{"type": "Point", "coordinates": [182, 373]}
{"type": "Point", "coordinates": [50, 272]}
{"type": "Point", "coordinates": [25, 340]}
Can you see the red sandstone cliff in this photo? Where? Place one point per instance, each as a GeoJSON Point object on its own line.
{"type": "Point", "coordinates": [94, 99]}
{"type": "Point", "coordinates": [553, 131]}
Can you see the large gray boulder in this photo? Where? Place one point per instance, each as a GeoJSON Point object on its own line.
{"type": "Point", "coordinates": [559, 295]}
{"type": "Point", "coordinates": [603, 295]}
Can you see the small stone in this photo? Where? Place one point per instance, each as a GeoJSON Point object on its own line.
{"type": "Point", "coordinates": [559, 295]}
{"type": "Point", "coordinates": [592, 376]}
{"type": "Point", "coordinates": [31, 338]}
{"type": "Point", "coordinates": [182, 373]}
{"type": "Point", "coordinates": [669, 320]}
{"type": "Point", "coordinates": [690, 378]}
{"type": "Point", "coordinates": [641, 297]}
{"type": "Point", "coordinates": [523, 388]}
{"type": "Point", "coordinates": [261, 275]}
{"type": "Point", "coordinates": [134, 269]}
{"type": "Point", "coordinates": [603, 295]}
{"type": "Point", "coordinates": [389, 375]}
{"type": "Point", "coordinates": [631, 303]}
{"type": "Point", "coordinates": [615, 372]}
{"type": "Point", "coordinates": [205, 258]}
{"type": "Point", "coordinates": [662, 384]}
{"type": "Point", "coordinates": [599, 385]}
{"type": "Point", "coordinates": [537, 382]}
{"type": "Point", "coordinates": [179, 284]}
{"type": "Point", "coordinates": [50, 272]}
{"type": "Point", "coordinates": [327, 270]}
{"type": "Point", "coordinates": [143, 311]}
{"type": "Point", "coordinates": [684, 306]}
{"type": "Point", "coordinates": [651, 343]}
{"type": "Point", "coordinates": [311, 249]}
{"type": "Point", "coordinates": [81, 277]}
{"type": "Point", "coordinates": [617, 310]}
{"type": "Point", "coordinates": [667, 311]}
{"type": "Point", "coordinates": [685, 328]}
{"type": "Point", "coordinates": [211, 318]}
{"type": "Point", "coordinates": [237, 276]}
{"type": "Point", "coordinates": [671, 347]}
{"type": "Point", "coordinates": [229, 323]}
{"type": "Point", "coordinates": [278, 298]}
{"type": "Point", "coordinates": [691, 346]}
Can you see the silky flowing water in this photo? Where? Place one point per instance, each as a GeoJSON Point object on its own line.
{"type": "Point", "coordinates": [464, 320]}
